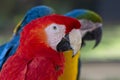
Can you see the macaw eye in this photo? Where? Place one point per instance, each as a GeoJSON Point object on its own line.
{"type": "Point", "coordinates": [55, 27]}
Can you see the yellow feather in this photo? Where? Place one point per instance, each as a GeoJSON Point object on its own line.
{"type": "Point", "coordinates": [16, 28]}
{"type": "Point", "coordinates": [71, 66]}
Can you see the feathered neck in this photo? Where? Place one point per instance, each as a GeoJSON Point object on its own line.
{"type": "Point", "coordinates": [43, 51]}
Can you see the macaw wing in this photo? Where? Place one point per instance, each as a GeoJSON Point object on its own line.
{"type": "Point", "coordinates": [1, 49]}
{"type": "Point", "coordinates": [8, 49]}
{"type": "Point", "coordinates": [4, 49]}
{"type": "Point", "coordinates": [33, 13]}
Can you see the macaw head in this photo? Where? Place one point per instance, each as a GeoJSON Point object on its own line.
{"type": "Point", "coordinates": [33, 13]}
{"type": "Point", "coordinates": [50, 33]}
{"type": "Point", "coordinates": [91, 24]}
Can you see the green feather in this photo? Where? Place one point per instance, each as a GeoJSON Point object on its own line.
{"type": "Point", "coordinates": [90, 15]}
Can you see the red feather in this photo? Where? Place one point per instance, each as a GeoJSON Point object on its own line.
{"type": "Point", "coordinates": [37, 68]}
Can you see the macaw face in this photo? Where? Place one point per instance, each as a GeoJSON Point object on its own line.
{"type": "Point", "coordinates": [59, 33]}
{"type": "Point", "coordinates": [91, 25]}
{"type": "Point", "coordinates": [91, 31]}
{"type": "Point", "coordinates": [55, 33]}
{"type": "Point", "coordinates": [53, 36]}
{"type": "Point", "coordinates": [58, 40]}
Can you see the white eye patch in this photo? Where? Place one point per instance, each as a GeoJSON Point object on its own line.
{"type": "Point", "coordinates": [55, 32]}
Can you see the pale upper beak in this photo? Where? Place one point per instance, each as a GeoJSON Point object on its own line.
{"type": "Point", "coordinates": [72, 41]}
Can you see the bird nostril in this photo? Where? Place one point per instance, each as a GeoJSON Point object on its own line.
{"type": "Point", "coordinates": [66, 37]}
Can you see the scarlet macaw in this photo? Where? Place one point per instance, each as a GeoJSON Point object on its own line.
{"type": "Point", "coordinates": [40, 53]}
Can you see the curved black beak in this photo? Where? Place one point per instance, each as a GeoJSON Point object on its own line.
{"type": "Point", "coordinates": [64, 44]}
{"type": "Point", "coordinates": [96, 35]}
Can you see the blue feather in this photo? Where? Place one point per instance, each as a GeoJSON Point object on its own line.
{"type": "Point", "coordinates": [76, 13]}
{"type": "Point", "coordinates": [10, 47]}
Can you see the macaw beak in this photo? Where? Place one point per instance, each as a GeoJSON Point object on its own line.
{"type": "Point", "coordinates": [64, 44]}
{"type": "Point", "coordinates": [96, 35]}
{"type": "Point", "coordinates": [71, 41]}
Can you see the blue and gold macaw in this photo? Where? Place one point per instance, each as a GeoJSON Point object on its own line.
{"type": "Point", "coordinates": [10, 47]}
{"type": "Point", "coordinates": [90, 20]}
{"type": "Point", "coordinates": [91, 29]}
